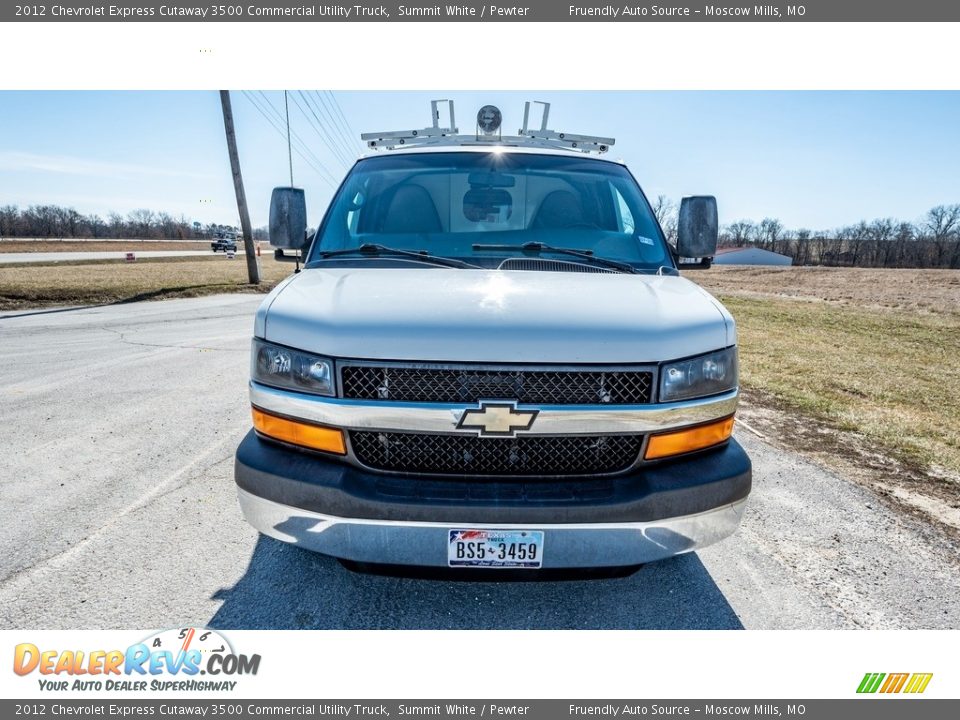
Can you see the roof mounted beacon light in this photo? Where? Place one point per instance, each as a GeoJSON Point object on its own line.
{"type": "Point", "coordinates": [489, 121]}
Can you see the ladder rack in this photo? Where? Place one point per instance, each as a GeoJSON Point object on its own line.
{"type": "Point", "coordinates": [450, 136]}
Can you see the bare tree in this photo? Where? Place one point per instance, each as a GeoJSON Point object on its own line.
{"type": "Point", "coordinates": [49, 221]}
{"type": "Point", "coordinates": [740, 233]}
{"type": "Point", "coordinates": [802, 247]}
{"type": "Point", "coordinates": [883, 242]}
{"type": "Point", "coordinates": [881, 232]}
{"type": "Point", "coordinates": [141, 222]}
{"type": "Point", "coordinates": [943, 225]}
{"type": "Point", "coordinates": [665, 210]}
{"type": "Point", "coordinates": [769, 233]}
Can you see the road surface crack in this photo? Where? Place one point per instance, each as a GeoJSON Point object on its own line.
{"type": "Point", "coordinates": [203, 348]}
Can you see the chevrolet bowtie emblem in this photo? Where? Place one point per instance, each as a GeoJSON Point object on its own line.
{"type": "Point", "coordinates": [497, 419]}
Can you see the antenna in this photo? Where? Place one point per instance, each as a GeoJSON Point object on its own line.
{"type": "Point", "coordinates": [286, 106]}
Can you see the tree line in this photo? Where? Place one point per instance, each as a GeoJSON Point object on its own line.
{"type": "Point", "coordinates": [60, 223]}
{"type": "Point", "coordinates": [931, 242]}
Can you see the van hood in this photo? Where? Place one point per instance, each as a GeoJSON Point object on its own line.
{"type": "Point", "coordinates": [496, 316]}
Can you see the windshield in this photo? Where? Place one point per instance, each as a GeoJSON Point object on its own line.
{"type": "Point", "coordinates": [448, 204]}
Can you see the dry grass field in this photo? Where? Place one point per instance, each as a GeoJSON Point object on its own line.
{"type": "Point", "coordinates": [29, 246]}
{"type": "Point", "coordinates": [43, 285]}
{"type": "Point", "coordinates": [859, 367]}
{"type": "Point", "coordinates": [936, 291]}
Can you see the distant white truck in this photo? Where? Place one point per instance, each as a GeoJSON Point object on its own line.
{"type": "Point", "coordinates": [489, 360]}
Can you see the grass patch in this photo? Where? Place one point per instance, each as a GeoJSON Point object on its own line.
{"type": "Point", "coordinates": [889, 375]}
{"type": "Point", "coordinates": [936, 291]}
{"type": "Point", "coordinates": [39, 246]}
{"type": "Point", "coordinates": [92, 283]}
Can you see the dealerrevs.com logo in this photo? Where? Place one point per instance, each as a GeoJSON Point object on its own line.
{"type": "Point", "coordinates": [169, 660]}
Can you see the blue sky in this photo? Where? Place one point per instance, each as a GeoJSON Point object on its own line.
{"type": "Point", "coordinates": [812, 159]}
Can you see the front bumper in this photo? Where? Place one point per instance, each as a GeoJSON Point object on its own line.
{"type": "Point", "coordinates": [397, 542]}
{"type": "Point", "coordinates": [340, 510]}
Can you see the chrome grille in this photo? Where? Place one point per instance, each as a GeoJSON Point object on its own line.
{"type": "Point", "coordinates": [542, 387]}
{"type": "Point", "coordinates": [540, 455]}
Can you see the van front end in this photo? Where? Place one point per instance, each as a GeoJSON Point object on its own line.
{"type": "Point", "coordinates": [490, 360]}
{"type": "Point", "coordinates": [505, 466]}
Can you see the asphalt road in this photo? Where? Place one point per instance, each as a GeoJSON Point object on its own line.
{"type": "Point", "coordinates": [118, 510]}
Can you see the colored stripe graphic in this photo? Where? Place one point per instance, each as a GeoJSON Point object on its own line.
{"type": "Point", "coordinates": [918, 682]}
{"type": "Point", "coordinates": [870, 682]}
{"type": "Point", "coordinates": [894, 682]}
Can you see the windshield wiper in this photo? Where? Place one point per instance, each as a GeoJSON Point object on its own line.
{"type": "Point", "coordinates": [375, 250]}
{"type": "Point", "coordinates": [539, 247]}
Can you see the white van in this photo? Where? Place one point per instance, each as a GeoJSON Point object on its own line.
{"type": "Point", "coordinates": [490, 360]}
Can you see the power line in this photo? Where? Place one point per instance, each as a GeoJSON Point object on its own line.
{"type": "Point", "coordinates": [304, 145]}
{"type": "Point", "coordinates": [307, 156]}
{"type": "Point", "coordinates": [315, 164]}
{"type": "Point", "coordinates": [349, 141]}
{"type": "Point", "coordinates": [321, 131]}
{"type": "Point", "coordinates": [268, 103]}
{"type": "Point", "coordinates": [334, 120]}
{"type": "Point", "coordinates": [303, 149]}
{"type": "Point", "coordinates": [342, 115]}
{"type": "Point", "coordinates": [349, 148]}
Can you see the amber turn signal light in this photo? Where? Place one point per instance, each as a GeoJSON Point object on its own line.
{"type": "Point", "coordinates": [688, 440]}
{"type": "Point", "coordinates": [314, 437]}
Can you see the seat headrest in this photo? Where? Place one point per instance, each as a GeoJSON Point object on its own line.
{"type": "Point", "coordinates": [559, 209]}
{"type": "Point", "coordinates": [411, 210]}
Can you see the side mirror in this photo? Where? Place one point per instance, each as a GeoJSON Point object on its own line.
{"type": "Point", "coordinates": [698, 228]}
{"type": "Point", "coordinates": [288, 218]}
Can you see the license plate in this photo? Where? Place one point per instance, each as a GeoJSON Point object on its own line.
{"type": "Point", "coordinates": [495, 548]}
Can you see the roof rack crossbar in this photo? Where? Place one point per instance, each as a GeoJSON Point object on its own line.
{"type": "Point", "coordinates": [405, 137]}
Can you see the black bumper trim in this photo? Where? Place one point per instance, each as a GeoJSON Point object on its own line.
{"type": "Point", "coordinates": [685, 486]}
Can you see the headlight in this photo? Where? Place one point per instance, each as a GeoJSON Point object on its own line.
{"type": "Point", "coordinates": [291, 369]}
{"type": "Point", "coordinates": [704, 375]}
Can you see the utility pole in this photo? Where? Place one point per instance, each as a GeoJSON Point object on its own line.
{"type": "Point", "coordinates": [250, 252]}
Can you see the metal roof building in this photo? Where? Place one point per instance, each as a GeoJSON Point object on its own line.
{"type": "Point", "coordinates": [750, 256]}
